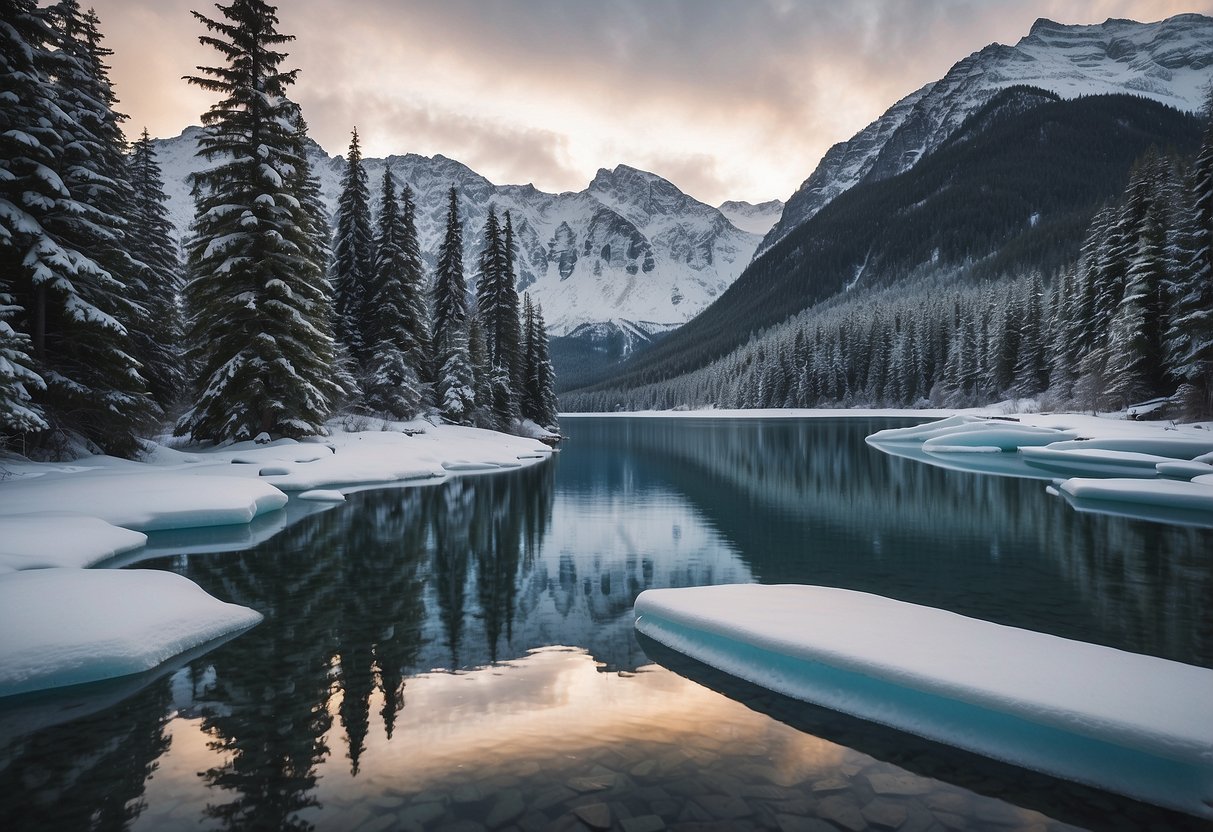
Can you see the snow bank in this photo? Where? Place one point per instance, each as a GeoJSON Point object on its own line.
{"type": "Point", "coordinates": [145, 498]}
{"type": "Point", "coordinates": [69, 626]}
{"type": "Point", "coordinates": [39, 541]}
{"type": "Point", "coordinates": [1134, 724]}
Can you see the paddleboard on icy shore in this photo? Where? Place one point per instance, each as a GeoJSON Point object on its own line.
{"type": "Point", "coordinates": [1137, 725]}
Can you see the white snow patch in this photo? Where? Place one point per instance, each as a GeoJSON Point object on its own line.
{"type": "Point", "coordinates": [1134, 724]}
{"type": "Point", "coordinates": [70, 626]}
{"type": "Point", "coordinates": [45, 540]}
{"type": "Point", "coordinates": [145, 498]}
{"type": "Point", "coordinates": [320, 495]}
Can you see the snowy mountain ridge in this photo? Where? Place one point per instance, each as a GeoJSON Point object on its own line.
{"type": "Point", "coordinates": [1170, 61]}
{"type": "Point", "coordinates": [630, 247]}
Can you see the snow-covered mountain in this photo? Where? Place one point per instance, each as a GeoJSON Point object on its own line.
{"type": "Point", "coordinates": [757, 219]}
{"type": "Point", "coordinates": [1170, 61]}
{"type": "Point", "coordinates": [631, 249]}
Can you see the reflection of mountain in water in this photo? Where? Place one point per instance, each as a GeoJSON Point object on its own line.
{"type": "Point", "coordinates": [807, 501]}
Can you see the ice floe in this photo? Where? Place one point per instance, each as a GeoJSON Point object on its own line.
{"type": "Point", "coordinates": [998, 437]}
{"type": "Point", "coordinates": [1080, 461]}
{"type": "Point", "coordinates": [1183, 469]}
{"type": "Point", "coordinates": [70, 626]}
{"type": "Point", "coordinates": [1171, 493]}
{"type": "Point", "coordinates": [322, 495]}
{"type": "Point", "coordinates": [44, 540]}
{"type": "Point", "coordinates": [1134, 724]}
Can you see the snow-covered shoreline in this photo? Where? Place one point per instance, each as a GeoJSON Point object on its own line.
{"type": "Point", "coordinates": [61, 518]}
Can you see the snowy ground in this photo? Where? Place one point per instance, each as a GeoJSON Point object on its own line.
{"type": "Point", "coordinates": [60, 518]}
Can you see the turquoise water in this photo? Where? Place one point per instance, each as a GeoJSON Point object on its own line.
{"type": "Point", "coordinates": [461, 656]}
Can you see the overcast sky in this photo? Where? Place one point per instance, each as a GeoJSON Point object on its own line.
{"type": "Point", "coordinates": [729, 99]}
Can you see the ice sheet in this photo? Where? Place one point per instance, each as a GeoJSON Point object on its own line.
{"type": "Point", "coordinates": [70, 626]}
{"type": "Point", "coordinates": [1134, 724]}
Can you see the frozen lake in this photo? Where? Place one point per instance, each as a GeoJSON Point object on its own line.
{"type": "Point", "coordinates": [462, 656]}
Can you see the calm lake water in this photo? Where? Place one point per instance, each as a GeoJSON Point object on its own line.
{"type": "Point", "coordinates": [462, 656]}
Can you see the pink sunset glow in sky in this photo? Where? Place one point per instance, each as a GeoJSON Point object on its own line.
{"type": "Point", "coordinates": [729, 99]}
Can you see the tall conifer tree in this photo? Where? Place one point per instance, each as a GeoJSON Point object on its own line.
{"type": "Point", "coordinates": [29, 259]}
{"type": "Point", "coordinates": [1190, 335]}
{"type": "Point", "coordinates": [392, 387]}
{"type": "Point", "coordinates": [62, 200]}
{"type": "Point", "coordinates": [353, 255]}
{"type": "Point", "coordinates": [257, 296]}
{"type": "Point", "coordinates": [151, 243]}
{"type": "Point", "coordinates": [456, 385]}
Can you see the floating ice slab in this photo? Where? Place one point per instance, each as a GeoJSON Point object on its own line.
{"type": "Point", "coordinates": [918, 433]}
{"type": "Point", "coordinates": [1171, 447]}
{"type": "Point", "coordinates": [321, 495]}
{"type": "Point", "coordinates": [42, 540]}
{"type": "Point", "coordinates": [1000, 437]}
{"type": "Point", "coordinates": [1182, 469]}
{"type": "Point", "coordinates": [146, 499]}
{"type": "Point", "coordinates": [1166, 493]}
{"type": "Point", "coordinates": [1133, 724]}
{"type": "Point", "coordinates": [1077, 458]}
{"type": "Point", "coordinates": [70, 626]}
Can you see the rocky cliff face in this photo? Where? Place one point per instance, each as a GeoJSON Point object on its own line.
{"type": "Point", "coordinates": [631, 247]}
{"type": "Point", "coordinates": [1170, 61]}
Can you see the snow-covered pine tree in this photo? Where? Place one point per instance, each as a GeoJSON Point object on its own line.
{"type": "Point", "coordinates": [353, 255]}
{"type": "Point", "coordinates": [497, 306]}
{"type": "Point", "coordinates": [1031, 369]}
{"type": "Point", "coordinates": [455, 384]}
{"type": "Point", "coordinates": [66, 194]}
{"type": "Point", "coordinates": [391, 386]}
{"type": "Point", "coordinates": [257, 297]}
{"type": "Point", "coordinates": [1135, 333]}
{"type": "Point", "coordinates": [482, 374]}
{"type": "Point", "coordinates": [510, 345]}
{"type": "Point", "coordinates": [416, 335]}
{"type": "Point", "coordinates": [18, 413]}
{"type": "Point", "coordinates": [28, 119]}
{"type": "Point", "coordinates": [1190, 335]}
{"type": "Point", "coordinates": [152, 244]}
{"type": "Point", "coordinates": [528, 394]}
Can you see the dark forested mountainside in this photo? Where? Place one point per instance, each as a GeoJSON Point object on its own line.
{"type": "Point", "coordinates": [1013, 189]}
{"type": "Point", "coordinates": [1131, 321]}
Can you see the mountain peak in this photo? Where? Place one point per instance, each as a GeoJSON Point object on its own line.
{"type": "Point", "coordinates": [1170, 61]}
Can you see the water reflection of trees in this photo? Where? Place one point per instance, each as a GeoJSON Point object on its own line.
{"type": "Point", "coordinates": [809, 501]}
{"type": "Point", "coordinates": [344, 599]}
{"type": "Point", "coordinates": [88, 774]}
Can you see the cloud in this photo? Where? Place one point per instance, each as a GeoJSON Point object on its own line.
{"type": "Point", "coordinates": [740, 98]}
